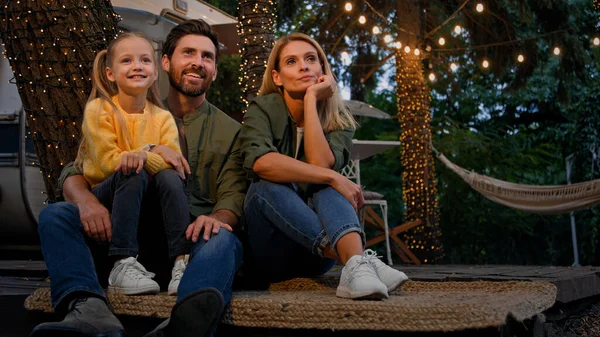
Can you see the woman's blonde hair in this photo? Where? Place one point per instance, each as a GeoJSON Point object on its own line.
{"type": "Point", "coordinates": [105, 89]}
{"type": "Point", "coordinates": [332, 112]}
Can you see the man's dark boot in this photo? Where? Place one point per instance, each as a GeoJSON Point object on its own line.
{"type": "Point", "coordinates": [196, 315]}
{"type": "Point", "coordinates": [86, 317]}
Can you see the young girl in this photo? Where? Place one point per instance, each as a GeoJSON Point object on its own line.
{"type": "Point", "coordinates": [122, 121]}
{"type": "Point", "coordinates": [300, 212]}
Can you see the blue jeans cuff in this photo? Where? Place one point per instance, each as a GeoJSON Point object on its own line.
{"type": "Point", "coordinates": [321, 242]}
{"type": "Point", "coordinates": [122, 251]}
{"type": "Point", "coordinates": [349, 228]}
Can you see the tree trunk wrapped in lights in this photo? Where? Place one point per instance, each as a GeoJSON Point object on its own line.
{"type": "Point", "coordinates": [419, 183]}
{"type": "Point", "coordinates": [256, 29]}
{"type": "Point", "coordinates": [51, 47]}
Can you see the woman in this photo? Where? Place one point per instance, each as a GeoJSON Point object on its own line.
{"type": "Point", "coordinates": [300, 212]}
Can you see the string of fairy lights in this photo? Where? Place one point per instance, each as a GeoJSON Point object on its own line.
{"type": "Point", "coordinates": [50, 46]}
{"type": "Point", "coordinates": [423, 51]}
{"type": "Point", "coordinates": [256, 25]}
{"type": "Point", "coordinates": [419, 184]}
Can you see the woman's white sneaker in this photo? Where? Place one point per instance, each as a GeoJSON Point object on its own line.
{"type": "Point", "coordinates": [129, 277]}
{"type": "Point", "coordinates": [359, 280]}
{"type": "Point", "coordinates": [391, 277]}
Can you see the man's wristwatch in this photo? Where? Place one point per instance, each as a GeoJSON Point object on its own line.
{"type": "Point", "coordinates": [148, 147]}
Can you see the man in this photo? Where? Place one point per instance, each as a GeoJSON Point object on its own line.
{"type": "Point", "coordinates": [215, 187]}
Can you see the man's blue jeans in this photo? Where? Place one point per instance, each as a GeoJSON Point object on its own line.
{"type": "Point", "coordinates": [122, 195]}
{"type": "Point", "coordinates": [66, 253]}
{"type": "Point", "coordinates": [287, 236]}
{"type": "Point", "coordinates": [213, 263]}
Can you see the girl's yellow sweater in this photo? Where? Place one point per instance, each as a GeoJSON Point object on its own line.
{"type": "Point", "coordinates": [105, 147]}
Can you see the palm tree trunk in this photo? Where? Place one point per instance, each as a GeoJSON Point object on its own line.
{"type": "Point", "coordinates": [51, 47]}
{"type": "Point", "coordinates": [256, 30]}
{"type": "Point", "coordinates": [419, 183]}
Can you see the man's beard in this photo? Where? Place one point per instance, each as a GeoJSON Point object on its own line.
{"type": "Point", "coordinates": [189, 90]}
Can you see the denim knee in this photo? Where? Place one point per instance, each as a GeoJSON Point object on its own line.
{"type": "Point", "coordinates": [168, 178]}
{"type": "Point", "coordinates": [139, 180]}
{"type": "Point", "coordinates": [64, 214]}
{"type": "Point", "coordinates": [222, 243]}
{"type": "Point", "coordinates": [262, 187]}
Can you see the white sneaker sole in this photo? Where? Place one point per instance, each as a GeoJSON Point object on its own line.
{"type": "Point", "coordinates": [148, 290]}
{"type": "Point", "coordinates": [345, 292]}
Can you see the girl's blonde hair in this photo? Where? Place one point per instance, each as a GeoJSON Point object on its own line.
{"type": "Point", "coordinates": [105, 89]}
{"type": "Point", "coordinates": [332, 112]}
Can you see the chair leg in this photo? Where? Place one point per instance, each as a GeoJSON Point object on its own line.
{"type": "Point", "coordinates": [402, 255]}
{"type": "Point", "coordinates": [378, 223]}
{"type": "Point", "coordinates": [406, 250]}
{"type": "Point", "coordinates": [387, 233]}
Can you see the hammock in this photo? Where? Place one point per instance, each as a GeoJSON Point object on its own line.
{"type": "Point", "coordinates": [530, 198]}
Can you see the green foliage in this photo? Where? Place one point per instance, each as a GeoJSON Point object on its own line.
{"type": "Point", "coordinates": [519, 129]}
{"type": "Point", "coordinates": [225, 91]}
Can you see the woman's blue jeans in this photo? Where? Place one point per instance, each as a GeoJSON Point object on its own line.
{"type": "Point", "coordinates": [287, 235]}
{"type": "Point", "coordinates": [122, 195]}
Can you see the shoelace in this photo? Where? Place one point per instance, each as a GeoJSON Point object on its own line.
{"type": "Point", "coordinates": [76, 302]}
{"type": "Point", "coordinates": [370, 254]}
{"type": "Point", "coordinates": [134, 270]}
{"type": "Point", "coordinates": [367, 270]}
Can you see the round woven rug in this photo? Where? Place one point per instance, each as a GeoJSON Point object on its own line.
{"type": "Point", "coordinates": [311, 304]}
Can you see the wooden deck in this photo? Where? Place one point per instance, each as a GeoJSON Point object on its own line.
{"type": "Point", "coordinates": [577, 287]}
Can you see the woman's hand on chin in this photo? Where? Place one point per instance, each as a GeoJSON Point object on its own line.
{"type": "Point", "coordinates": [323, 89]}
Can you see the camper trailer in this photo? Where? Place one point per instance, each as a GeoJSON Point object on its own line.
{"type": "Point", "coordinates": [22, 190]}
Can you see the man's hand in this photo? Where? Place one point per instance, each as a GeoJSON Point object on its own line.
{"type": "Point", "coordinates": [174, 158]}
{"type": "Point", "coordinates": [132, 162]}
{"type": "Point", "coordinates": [210, 226]}
{"type": "Point", "coordinates": [96, 220]}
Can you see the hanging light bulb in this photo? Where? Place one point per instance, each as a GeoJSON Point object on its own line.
{"type": "Point", "coordinates": [556, 51]}
{"type": "Point", "coordinates": [345, 54]}
{"type": "Point", "coordinates": [457, 29]}
{"type": "Point", "coordinates": [520, 58]}
{"type": "Point", "coordinates": [431, 77]}
{"type": "Point", "coordinates": [362, 19]}
{"type": "Point", "coordinates": [348, 6]}
{"type": "Point", "coordinates": [596, 41]}
{"type": "Point", "coordinates": [398, 44]}
{"type": "Point", "coordinates": [387, 38]}
{"type": "Point", "coordinates": [442, 41]}
{"type": "Point", "coordinates": [417, 51]}
{"type": "Point", "coordinates": [407, 49]}
{"type": "Point", "coordinates": [376, 30]}
{"type": "Point", "coordinates": [453, 66]}
{"type": "Point", "coordinates": [479, 7]}
{"type": "Point", "coordinates": [485, 63]}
